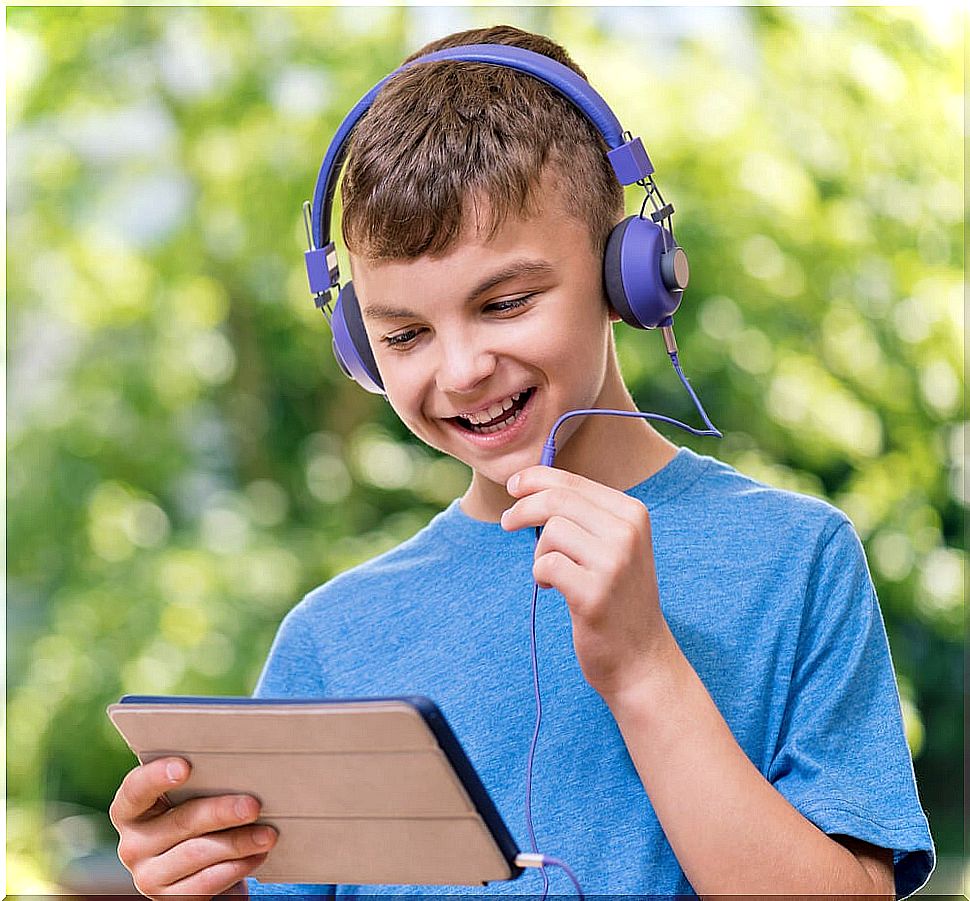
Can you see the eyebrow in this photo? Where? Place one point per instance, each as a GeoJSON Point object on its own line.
{"type": "Point", "coordinates": [513, 270]}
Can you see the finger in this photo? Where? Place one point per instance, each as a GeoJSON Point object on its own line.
{"type": "Point", "coordinates": [198, 817]}
{"type": "Point", "coordinates": [556, 570]}
{"type": "Point", "coordinates": [536, 509]}
{"type": "Point", "coordinates": [538, 478]}
{"type": "Point", "coordinates": [569, 538]}
{"type": "Point", "coordinates": [219, 879]}
{"type": "Point", "coordinates": [216, 880]}
{"type": "Point", "coordinates": [141, 790]}
{"type": "Point", "coordinates": [206, 852]}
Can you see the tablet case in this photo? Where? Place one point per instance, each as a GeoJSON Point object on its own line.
{"type": "Point", "coordinates": [361, 791]}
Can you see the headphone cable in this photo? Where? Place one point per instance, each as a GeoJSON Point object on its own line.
{"type": "Point", "coordinates": [548, 456]}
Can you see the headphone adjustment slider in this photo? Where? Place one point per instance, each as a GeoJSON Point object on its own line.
{"type": "Point", "coordinates": [630, 161]}
{"type": "Point", "coordinates": [333, 270]}
{"type": "Point", "coordinates": [321, 268]}
{"type": "Point", "coordinates": [659, 215]}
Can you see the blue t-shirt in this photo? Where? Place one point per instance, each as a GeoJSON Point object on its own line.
{"type": "Point", "coordinates": [769, 597]}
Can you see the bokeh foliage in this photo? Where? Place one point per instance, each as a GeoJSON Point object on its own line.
{"type": "Point", "coordinates": [185, 460]}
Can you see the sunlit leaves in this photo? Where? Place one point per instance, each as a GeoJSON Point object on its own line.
{"type": "Point", "coordinates": [185, 459]}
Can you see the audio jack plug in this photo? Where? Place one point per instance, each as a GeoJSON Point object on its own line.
{"type": "Point", "coordinates": [544, 860]}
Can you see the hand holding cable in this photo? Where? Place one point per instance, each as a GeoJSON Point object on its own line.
{"type": "Point", "coordinates": [596, 550]}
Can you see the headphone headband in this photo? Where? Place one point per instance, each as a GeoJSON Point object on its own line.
{"type": "Point", "coordinates": [645, 271]}
{"type": "Point", "coordinates": [627, 154]}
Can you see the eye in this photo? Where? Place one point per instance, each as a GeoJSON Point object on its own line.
{"type": "Point", "coordinates": [504, 306]}
{"type": "Point", "coordinates": [401, 339]}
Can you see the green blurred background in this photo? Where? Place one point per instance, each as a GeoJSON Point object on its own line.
{"type": "Point", "coordinates": [185, 461]}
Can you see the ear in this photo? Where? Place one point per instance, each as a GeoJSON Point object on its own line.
{"type": "Point", "coordinates": [610, 311]}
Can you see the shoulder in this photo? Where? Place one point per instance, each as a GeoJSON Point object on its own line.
{"type": "Point", "coordinates": [399, 571]}
{"type": "Point", "coordinates": [336, 624]}
{"type": "Point", "coordinates": [762, 510]}
{"type": "Point", "coordinates": [803, 546]}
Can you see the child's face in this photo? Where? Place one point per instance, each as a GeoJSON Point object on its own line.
{"type": "Point", "coordinates": [524, 311]}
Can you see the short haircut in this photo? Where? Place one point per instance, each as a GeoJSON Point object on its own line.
{"type": "Point", "coordinates": [443, 135]}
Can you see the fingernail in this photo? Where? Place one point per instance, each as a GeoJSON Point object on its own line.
{"type": "Point", "coordinates": [512, 483]}
{"type": "Point", "coordinates": [174, 771]}
{"type": "Point", "coordinates": [264, 836]}
{"type": "Point", "coordinates": [242, 807]}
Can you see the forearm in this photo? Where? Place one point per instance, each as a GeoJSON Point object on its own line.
{"type": "Point", "coordinates": [731, 831]}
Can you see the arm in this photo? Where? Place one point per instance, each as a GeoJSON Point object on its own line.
{"type": "Point", "coordinates": [731, 830]}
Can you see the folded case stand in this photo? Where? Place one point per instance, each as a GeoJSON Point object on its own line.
{"type": "Point", "coordinates": [361, 791]}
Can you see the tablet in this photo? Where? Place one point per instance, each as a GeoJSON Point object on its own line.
{"type": "Point", "coordinates": [361, 790]}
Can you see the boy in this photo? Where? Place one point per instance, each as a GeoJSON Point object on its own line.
{"type": "Point", "coordinates": [720, 708]}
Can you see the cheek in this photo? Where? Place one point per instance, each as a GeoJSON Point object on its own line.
{"type": "Point", "coordinates": [584, 334]}
{"type": "Point", "coordinates": [402, 393]}
{"type": "Point", "coordinates": [411, 394]}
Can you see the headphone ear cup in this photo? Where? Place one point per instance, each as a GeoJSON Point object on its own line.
{"type": "Point", "coordinates": [612, 274]}
{"type": "Point", "coordinates": [632, 273]}
{"type": "Point", "coordinates": [340, 360]}
{"type": "Point", "coordinates": [350, 345]}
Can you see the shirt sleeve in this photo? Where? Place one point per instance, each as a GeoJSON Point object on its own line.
{"type": "Point", "coordinates": [291, 670]}
{"type": "Point", "coordinates": [842, 758]}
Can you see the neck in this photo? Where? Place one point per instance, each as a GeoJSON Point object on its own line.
{"type": "Point", "coordinates": [616, 451]}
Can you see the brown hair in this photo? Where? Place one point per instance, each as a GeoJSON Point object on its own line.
{"type": "Point", "coordinates": [442, 135]}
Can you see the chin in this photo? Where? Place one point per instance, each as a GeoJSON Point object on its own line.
{"type": "Point", "coordinates": [500, 471]}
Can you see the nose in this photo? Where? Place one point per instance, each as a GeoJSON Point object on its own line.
{"type": "Point", "coordinates": [463, 366]}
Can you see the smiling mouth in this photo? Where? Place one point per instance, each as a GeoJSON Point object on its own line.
{"type": "Point", "coordinates": [499, 422]}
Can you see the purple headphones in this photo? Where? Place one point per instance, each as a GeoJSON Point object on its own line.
{"type": "Point", "coordinates": [645, 271]}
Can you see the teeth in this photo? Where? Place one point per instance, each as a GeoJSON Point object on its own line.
{"type": "Point", "coordinates": [498, 428]}
{"type": "Point", "coordinates": [494, 410]}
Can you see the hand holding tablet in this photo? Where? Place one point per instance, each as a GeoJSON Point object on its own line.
{"type": "Point", "coordinates": [203, 847]}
